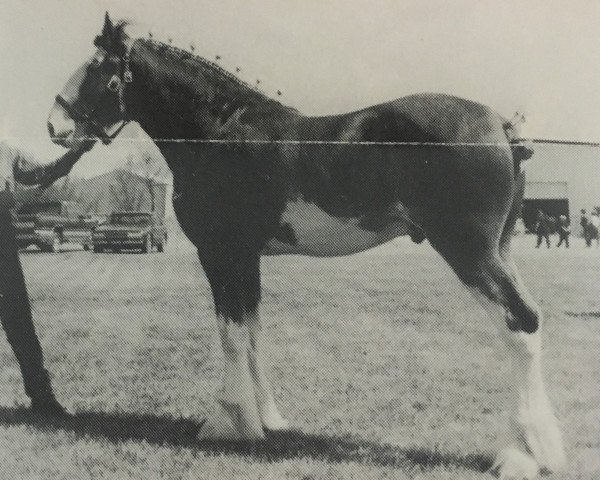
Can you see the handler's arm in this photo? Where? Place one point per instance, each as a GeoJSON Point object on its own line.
{"type": "Point", "coordinates": [44, 175]}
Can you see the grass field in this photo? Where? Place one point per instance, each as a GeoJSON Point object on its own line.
{"type": "Point", "coordinates": [384, 365]}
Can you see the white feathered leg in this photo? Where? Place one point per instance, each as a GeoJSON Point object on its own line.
{"type": "Point", "coordinates": [535, 441]}
{"type": "Point", "coordinates": [239, 418]}
{"type": "Point", "coordinates": [269, 414]}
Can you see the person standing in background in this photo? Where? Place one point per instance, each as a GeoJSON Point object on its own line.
{"type": "Point", "coordinates": [562, 226]}
{"type": "Point", "coordinates": [542, 228]}
{"type": "Point", "coordinates": [594, 226]}
{"type": "Point", "coordinates": [585, 227]}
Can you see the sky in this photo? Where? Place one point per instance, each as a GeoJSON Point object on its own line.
{"type": "Point", "coordinates": [326, 56]}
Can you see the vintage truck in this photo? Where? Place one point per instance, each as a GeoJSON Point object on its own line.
{"type": "Point", "coordinates": [130, 231]}
{"type": "Point", "coordinates": [50, 224]}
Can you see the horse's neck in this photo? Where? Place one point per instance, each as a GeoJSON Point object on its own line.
{"type": "Point", "coordinates": [177, 99]}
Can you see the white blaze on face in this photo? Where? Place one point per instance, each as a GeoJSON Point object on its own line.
{"type": "Point", "coordinates": [319, 234]}
{"type": "Point", "coordinates": [61, 126]}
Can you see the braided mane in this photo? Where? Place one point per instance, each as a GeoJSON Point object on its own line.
{"type": "Point", "coordinates": [182, 54]}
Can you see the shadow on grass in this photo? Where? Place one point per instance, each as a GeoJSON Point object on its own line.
{"type": "Point", "coordinates": [569, 313]}
{"type": "Point", "coordinates": [167, 431]}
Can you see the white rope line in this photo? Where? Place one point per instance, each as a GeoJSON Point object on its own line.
{"type": "Point", "coordinates": [285, 142]}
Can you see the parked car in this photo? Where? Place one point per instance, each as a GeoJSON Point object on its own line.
{"type": "Point", "coordinates": [50, 224]}
{"type": "Point", "coordinates": [130, 231]}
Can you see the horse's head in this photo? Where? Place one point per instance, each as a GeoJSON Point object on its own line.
{"type": "Point", "coordinates": [91, 103]}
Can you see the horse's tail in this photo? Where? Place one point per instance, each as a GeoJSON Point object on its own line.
{"type": "Point", "coordinates": [521, 149]}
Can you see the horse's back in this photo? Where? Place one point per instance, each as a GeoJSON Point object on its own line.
{"type": "Point", "coordinates": [427, 138]}
{"type": "Point", "coordinates": [422, 117]}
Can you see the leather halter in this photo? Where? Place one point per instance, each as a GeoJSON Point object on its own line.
{"type": "Point", "coordinates": [116, 85]}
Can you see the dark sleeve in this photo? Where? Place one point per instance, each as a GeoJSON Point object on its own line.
{"type": "Point", "coordinates": [30, 172]}
{"type": "Point", "coordinates": [7, 201]}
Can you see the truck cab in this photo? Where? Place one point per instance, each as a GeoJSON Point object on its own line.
{"type": "Point", "coordinates": [48, 225]}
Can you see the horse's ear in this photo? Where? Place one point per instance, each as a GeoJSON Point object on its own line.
{"type": "Point", "coordinates": [112, 36]}
{"type": "Point", "coordinates": [104, 40]}
{"type": "Point", "coordinates": [107, 30]}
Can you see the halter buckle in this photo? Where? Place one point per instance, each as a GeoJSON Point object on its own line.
{"type": "Point", "coordinates": [114, 83]}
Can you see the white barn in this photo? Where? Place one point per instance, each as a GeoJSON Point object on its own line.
{"type": "Point", "coordinates": [562, 178]}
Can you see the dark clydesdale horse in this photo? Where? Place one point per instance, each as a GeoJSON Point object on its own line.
{"type": "Point", "coordinates": [253, 177]}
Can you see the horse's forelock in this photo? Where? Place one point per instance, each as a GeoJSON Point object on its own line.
{"type": "Point", "coordinates": [113, 39]}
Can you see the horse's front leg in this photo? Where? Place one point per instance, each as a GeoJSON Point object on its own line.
{"type": "Point", "coordinates": [269, 414]}
{"type": "Point", "coordinates": [238, 418]}
{"type": "Point", "coordinates": [246, 399]}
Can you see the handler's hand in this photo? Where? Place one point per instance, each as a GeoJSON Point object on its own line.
{"type": "Point", "coordinates": [85, 145]}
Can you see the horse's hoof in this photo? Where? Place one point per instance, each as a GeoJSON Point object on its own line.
{"type": "Point", "coordinates": [552, 464]}
{"type": "Point", "coordinates": [275, 423]}
{"type": "Point", "coordinates": [217, 429]}
{"type": "Point", "coordinates": [512, 464]}
{"type": "Point", "coordinates": [48, 407]}
{"type": "Point", "coordinates": [229, 424]}
{"type": "Point", "coordinates": [546, 446]}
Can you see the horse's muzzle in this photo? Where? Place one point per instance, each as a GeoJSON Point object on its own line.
{"type": "Point", "coordinates": [60, 126]}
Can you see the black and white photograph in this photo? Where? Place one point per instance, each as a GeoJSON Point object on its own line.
{"type": "Point", "coordinates": [304, 240]}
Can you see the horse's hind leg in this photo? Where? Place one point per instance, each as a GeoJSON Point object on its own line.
{"type": "Point", "coordinates": [535, 440]}
{"type": "Point", "coordinates": [533, 424]}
